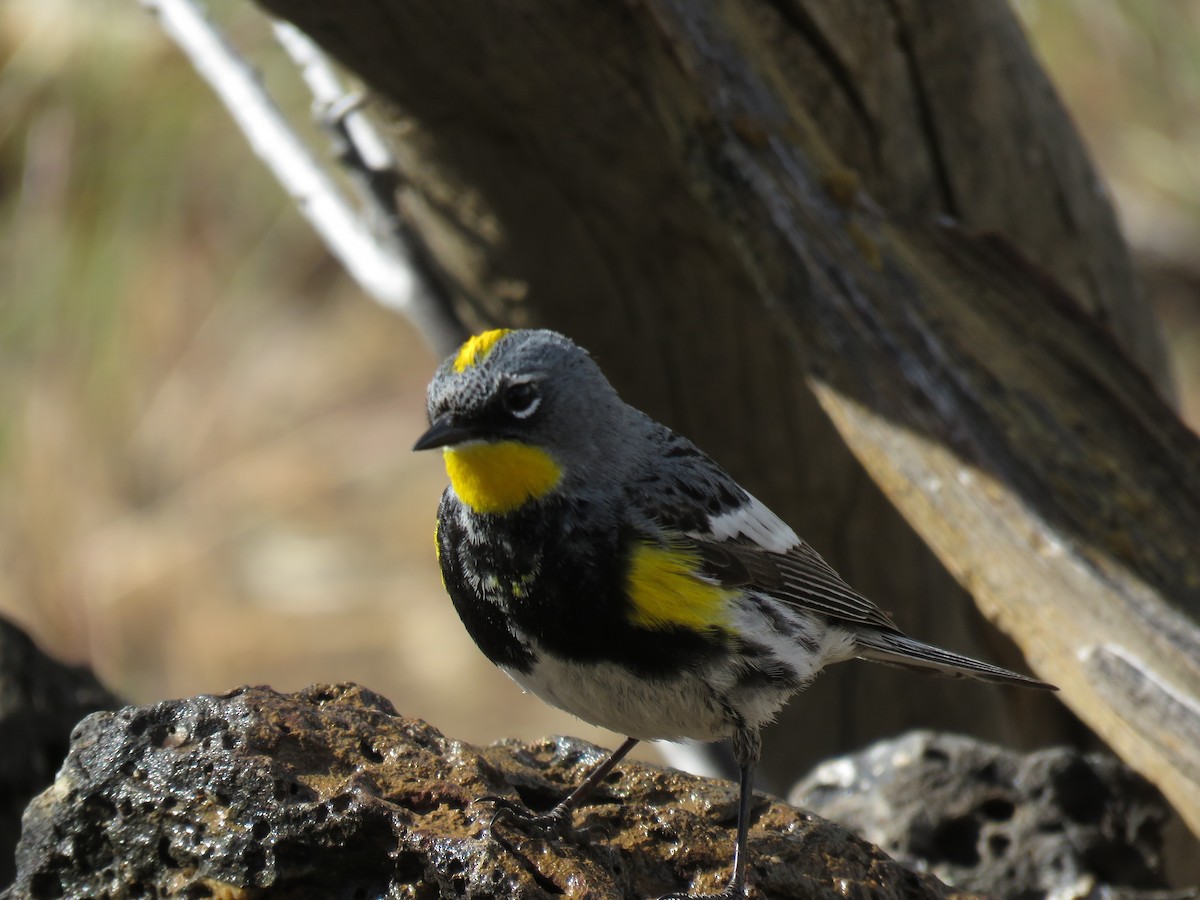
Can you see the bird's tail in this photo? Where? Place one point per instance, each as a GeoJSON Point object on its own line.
{"type": "Point", "coordinates": [898, 649]}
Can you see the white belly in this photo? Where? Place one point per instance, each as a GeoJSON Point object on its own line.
{"type": "Point", "coordinates": [613, 698]}
{"type": "Point", "coordinates": [696, 703]}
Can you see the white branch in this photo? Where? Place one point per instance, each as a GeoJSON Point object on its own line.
{"type": "Point", "coordinates": [329, 94]}
{"type": "Point", "coordinates": [383, 268]}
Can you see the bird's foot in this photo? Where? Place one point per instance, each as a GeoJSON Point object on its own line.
{"type": "Point", "coordinates": [554, 825]}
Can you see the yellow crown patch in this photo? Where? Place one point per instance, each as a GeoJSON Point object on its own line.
{"type": "Point", "coordinates": [474, 349]}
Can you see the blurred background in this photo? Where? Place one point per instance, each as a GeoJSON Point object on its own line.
{"type": "Point", "coordinates": [205, 476]}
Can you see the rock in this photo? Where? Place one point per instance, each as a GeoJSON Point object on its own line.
{"type": "Point", "coordinates": [329, 793]}
{"type": "Point", "coordinates": [40, 702]}
{"type": "Point", "coordinates": [1053, 823]}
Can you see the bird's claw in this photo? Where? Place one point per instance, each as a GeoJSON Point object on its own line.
{"type": "Point", "coordinates": [554, 825]}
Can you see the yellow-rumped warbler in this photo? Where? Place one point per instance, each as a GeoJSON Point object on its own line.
{"type": "Point", "coordinates": [609, 566]}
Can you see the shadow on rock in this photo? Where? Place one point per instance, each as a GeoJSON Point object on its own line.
{"type": "Point", "coordinates": [40, 702]}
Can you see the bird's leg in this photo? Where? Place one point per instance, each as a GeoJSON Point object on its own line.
{"type": "Point", "coordinates": [557, 822]}
{"type": "Point", "coordinates": [747, 747]}
{"type": "Point", "coordinates": [747, 760]}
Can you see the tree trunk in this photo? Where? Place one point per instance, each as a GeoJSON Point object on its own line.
{"type": "Point", "coordinates": [857, 252]}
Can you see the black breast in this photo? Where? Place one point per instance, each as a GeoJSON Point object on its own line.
{"type": "Point", "coordinates": [554, 573]}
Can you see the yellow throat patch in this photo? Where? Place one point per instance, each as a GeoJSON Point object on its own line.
{"type": "Point", "coordinates": [667, 590]}
{"type": "Point", "coordinates": [499, 477]}
{"type": "Point", "coordinates": [474, 349]}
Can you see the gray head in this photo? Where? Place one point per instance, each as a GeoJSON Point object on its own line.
{"type": "Point", "coordinates": [534, 388]}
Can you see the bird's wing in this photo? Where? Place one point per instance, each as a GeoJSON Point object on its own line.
{"type": "Point", "coordinates": [741, 542]}
{"type": "Point", "coordinates": [797, 577]}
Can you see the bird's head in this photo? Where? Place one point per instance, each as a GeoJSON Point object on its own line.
{"type": "Point", "coordinates": [518, 414]}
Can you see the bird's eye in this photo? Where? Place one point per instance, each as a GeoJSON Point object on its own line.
{"type": "Point", "coordinates": [521, 399]}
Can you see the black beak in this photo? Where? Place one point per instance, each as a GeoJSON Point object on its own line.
{"type": "Point", "coordinates": [444, 432]}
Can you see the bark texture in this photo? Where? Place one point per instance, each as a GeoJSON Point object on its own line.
{"type": "Point", "coordinates": [857, 251]}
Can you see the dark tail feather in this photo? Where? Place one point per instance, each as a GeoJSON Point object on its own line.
{"type": "Point", "coordinates": [900, 650]}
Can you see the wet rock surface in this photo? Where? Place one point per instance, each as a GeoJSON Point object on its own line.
{"type": "Point", "coordinates": [40, 702]}
{"type": "Point", "coordinates": [329, 793]}
{"type": "Point", "coordinates": [1053, 823]}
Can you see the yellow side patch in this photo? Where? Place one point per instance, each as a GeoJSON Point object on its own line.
{"type": "Point", "coordinates": [499, 477]}
{"type": "Point", "coordinates": [476, 348]}
{"type": "Point", "coordinates": [667, 590]}
{"type": "Point", "coordinates": [437, 548]}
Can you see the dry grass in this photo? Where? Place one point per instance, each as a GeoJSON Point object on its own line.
{"type": "Point", "coordinates": [204, 429]}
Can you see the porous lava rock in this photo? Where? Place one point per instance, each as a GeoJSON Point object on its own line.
{"type": "Point", "coordinates": [1055, 823]}
{"type": "Point", "coordinates": [330, 793]}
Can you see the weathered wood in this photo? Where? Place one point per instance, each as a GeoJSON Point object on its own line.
{"type": "Point", "coordinates": [732, 205]}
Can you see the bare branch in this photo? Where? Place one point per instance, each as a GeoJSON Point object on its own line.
{"type": "Point", "coordinates": [383, 267]}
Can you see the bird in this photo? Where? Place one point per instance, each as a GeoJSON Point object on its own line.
{"type": "Point", "coordinates": [612, 568]}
